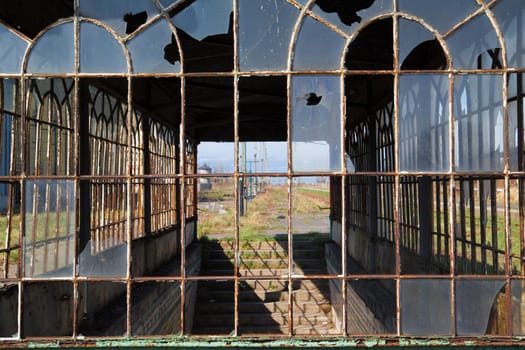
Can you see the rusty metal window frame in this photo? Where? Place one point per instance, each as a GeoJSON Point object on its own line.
{"type": "Point", "coordinates": [163, 152]}
{"type": "Point", "coordinates": [450, 180]}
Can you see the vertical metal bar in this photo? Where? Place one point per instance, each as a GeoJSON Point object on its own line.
{"type": "Point", "coordinates": [146, 155]}
{"type": "Point", "coordinates": [12, 171]}
{"type": "Point", "coordinates": [236, 250]}
{"type": "Point", "coordinates": [507, 200]}
{"type": "Point", "coordinates": [342, 205]}
{"type": "Point", "coordinates": [34, 210]}
{"type": "Point", "coordinates": [82, 214]}
{"type": "Point", "coordinates": [47, 171]}
{"type": "Point", "coordinates": [21, 239]}
{"type": "Point", "coordinates": [182, 194]}
{"type": "Point", "coordinates": [58, 169]}
{"type": "Point", "coordinates": [451, 203]}
{"type": "Point", "coordinates": [397, 180]}
{"type": "Point", "coordinates": [289, 87]}
{"type": "Point", "coordinates": [6, 254]}
{"type": "Point", "coordinates": [129, 204]}
{"type": "Point", "coordinates": [59, 239]}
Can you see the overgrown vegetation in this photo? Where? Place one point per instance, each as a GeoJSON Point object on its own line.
{"type": "Point", "coordinates": [267, 212]}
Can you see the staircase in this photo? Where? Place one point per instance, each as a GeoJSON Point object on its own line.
{"type": "Point", "coordinates": [263, 304]}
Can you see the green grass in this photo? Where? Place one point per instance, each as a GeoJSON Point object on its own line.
{"type": "Point", "coordinates": [325, 192]}
{"type": "Point", "coordinates": [263, 213]}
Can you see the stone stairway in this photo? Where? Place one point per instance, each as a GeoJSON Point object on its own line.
{"type": "Point", "coordinates": [263, 303]}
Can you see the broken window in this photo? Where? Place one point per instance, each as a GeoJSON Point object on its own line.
{"type": "Point", "coordinates": [257, 168]}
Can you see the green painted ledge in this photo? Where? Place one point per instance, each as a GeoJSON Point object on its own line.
{"type": "Point", "coordinates": [202, 343]}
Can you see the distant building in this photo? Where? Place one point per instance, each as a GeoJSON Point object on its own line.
{"type": "Point", "coordinates": [204, 182]}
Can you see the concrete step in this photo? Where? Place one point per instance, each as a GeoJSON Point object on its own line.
{"type": "Point", "coordinates": [276, 329]}
{"type": "Point", "coordinates": [270, 285]}
{"type": "Point", "coordinates": [263, 253]}
{"type": "Point", "coordinates": [264, 296]}
{"type": "Point", "coordinates": [300, 330]}
{"type": "Point", "coordinates": [263, 272]}
{"type": "Point", "coordinates": [263, 245]}
{"type": "Point", "coordinates": [250, 306]}
{"type": "Point", "coordinates": [245, 263]}
{"type": "Point", "coordinates": [263, 304]}
{"type": "Point", "coordinates": [260, 319]}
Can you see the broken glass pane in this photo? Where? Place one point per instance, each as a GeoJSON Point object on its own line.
{"type": "Point", "coordinates": [475, 45]}
{"type": "Point", "coordinates": [155, 50]}
{"type": "Point", "coordinates": [11, 96]}
{"type": "Point", "coordinates": [514, 140]}
{"type": "Point", "coordinates": [54, 51]}
{"type": "Point", "coordinates": [49, 228]}
{"type": "Point", "coordinates": [350, 16]}
{"type": "Point", "coordinates": [425, 307]}
{"type": "Point", "coordinates": [480, 226]}
{"type": "Point", "coordinates": [316, 123]}
{"type": "Point", "coordinates": [124, 16]}
{"type": "Point", "coordinates": [214, 307]}
{"type": "Point", "coordinates": [48, 309]}
{"type": "Point", "coordinates": [263, 111]}
{"type": "Point", "coordinates": [104, 249]}
{"type": "Point", "coordinates": [195, 20]}
{"type": "Point", "coordinates": [518, 306]}
{"type": "Point", "coordinates": [101, 309]}
{"type": "Point", "coordinates": [311, 208]}
{"type": "Point", "coordinates": [9, 310]}
{"type": "Point", "coordinates": [510, 15]}
{"type": "Point", "coordinates": [99, 51]}
{"type": "Point", "coordinates": [424, 225]}
{"type": "Point", "coordinates": [13, 51]}
{"type": "Point", "coordinates": [164, 318]}
{"type": "Point", "coordinates": [431, 11]}
{"type": "Point", "coordinates": [265, 31]}
{"type": "Point", "coordinates": [517, 258]}
{"type": "Point", "coordinates": [515, 118]}
{"type": "Point", "coordinates": [311, 227]}
{"type": "Point", "coordinates": [10, 234]}
{"type": "Point", "coordinates": [480, 307]}
{"type": "Point", "coordinates": [479, 140]}
{"type": "Point", "coordinates": [312, 307]}
{"type": "Point", "coordinates": [418, 48]}
{"type": "Point", "coordinates": [97, 261]}
{"type": "Point", "coordinates": [205, 30]}
{"type": "Point", "coordinates": [371, 229]}
{"type": "Point", "coordinates": [263, 230]}
{"type": "Point", "coordinates": [263, 306]}
{"type": "Point", "coordinates": [209, 109]}
{"type": "Point", "coordinates": [263, 157]}
{"type": "Point", "coordinates": [216, 227]}
{"type": "Point", "coordinates": [313, 42]}
{"type": "Point", "coordinates": [424, 123]}
{"type": "Point", "coordinates": [377, 35]}
{"type": "Point", "coordinates": [373, 300]}
{"type": "Point", "coordinates": [367, 129]}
